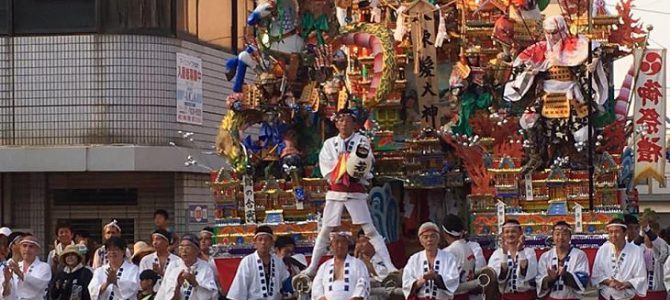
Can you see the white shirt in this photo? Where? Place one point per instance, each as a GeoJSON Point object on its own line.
{"type": "Point", "coordinates": [380, 268]}
{"type": "Point", "coordinates": [575, 261]}
{"type": "Point", "coordinates": [522, 283]}
{"type": "Point", "coordinates": [445, 265]}
{"type": "Point", "coordinates": [35, 283]}
{"type": "Point", "coordinates": [654, 259]}
{"type": "Point", "coordinates": [354, 283]}
{"type": "Point", "coordinates": [465, 260]}
{"type": "Point", "coordinates": [147, 263]}
{"type": "Point", "coordinates": [628, 267]}
{"type": "Point", "coordinates": [329, 158]}
{"type": "Point", "coordinates": [250, 281]}
{"type": "Point", "coordinates": [480, 260]}
{"type": "Point", "coordinates": [206, 289]}
{"type": "Point", "coordinates": [128, 283]}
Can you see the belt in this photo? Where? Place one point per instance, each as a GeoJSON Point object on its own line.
{"type": "Point", "coordinates": [653, 295]}
{"type": "Point", "coordinates": [351, 188]}
{"type": "Point", "coordinates": [527, 295]}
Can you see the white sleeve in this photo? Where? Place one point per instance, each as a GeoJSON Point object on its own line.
{"type": "Point", "coordinates": [542, 267]}
{"type": "Point", "coordinates": [409, 276]}
{"type": "Point", "coordinates": [97, 259]}
{"type": "Point", "coordinates": [146, 263]}
{"type": "Point", "coordinates": [599, 274]}
{"type": "Point", "coordinates": [495, 261]}
{"type": "Point", "coordinates": [128, 285]}
{"type": "Point", "coordinates": [98, 280]}
{"type": "Point", "coordinates": [660, 249]}
{"type": "Point", "coordinates": [38, 280]}
{"type": "Point", "coordinates": [167, 287]}
{"type": "Point", "coordinates": [582, 265]}
{"type": "Point", "coordinates": [206, 283]}
{"type": "Point", "coordinates": [666, 274]}
{"type": "Point", "coordinates": [450, 274]}
{"type": "Point", "coordinates": [639, 275]}
{"type": "Point", "coordinates": [362, 288]}
{"type": "Point", "coordinates": [239, 289]}
{"type": "Point", "coordinates": [317, 285]}
{"type": "Point", "coordinates": [531, 271]}
{"type": "Point", "coordinates": [50, 257]}
{"type": "Point", "coordinates": [480, 260]}
{"type": "Point", "coordinates": [327, 159]}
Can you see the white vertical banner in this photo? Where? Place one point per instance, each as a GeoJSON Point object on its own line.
{"type": "Point", "coordinates": [579, 226]}
{"type": "Point", "coordinates": [528, 184]}
{"type": "Point", "coordinates": [500, 214]}
{"type": "Point", "coordinates": [249, 202]}
{"type": "Point", "coordinates": [649, 116]}
{"type": "Point", "coordinates": [189, 89]}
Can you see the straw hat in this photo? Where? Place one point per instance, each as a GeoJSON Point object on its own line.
{"type": "Point", "coordinates": [141, 248]}
{"type": "Point", "coordinates": [71, 249]}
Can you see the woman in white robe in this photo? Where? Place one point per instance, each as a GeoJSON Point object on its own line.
{"type": "Point", "coordinates": [618, 270]}
{"type": "Point", "coordinates": [342, 277]}
{"type": "Point", "coordinates": [260, 275]}
{"type": "Point", "coordinates": [432, 273]}
{"type": "Point", "coordinates": [100, 255]}
{"type": "Point", "coordinates": [30, 277]}
{"type": "Point", "coordinates": [189, 277]}
{"type": "Point", "coordinates": [563, 271]}
{"type": "Point", "coordinates": [118, 279]}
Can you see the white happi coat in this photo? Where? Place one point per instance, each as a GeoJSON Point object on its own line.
{"type": "Point", "coordinates": [628, 267]}
{"type": "Point", "coordinates": [100, 257]}
{"type": "Point", "coordinates": [380, 267]}
{"type": "Point", "coordinates": [128, 283]}
{"type": "Point", "coordinates": [355, 283]}
{"type": "Point", "coordinates": [445, 265]}
{"type": "Point", "coordinates": [465, 259]}
{"type": "Point", "coordinates": [206, 289]}
{"type": "Point", "coordinates": [575, 261]}
{"type": "Point", "coordinates": [654, 259]}
{"type": "Point", "coordinates": [521, 283]}
{"type": "Point", "coordinates": [329, 158]}
{"type": "Point", "coordinates": [147, 263]}
{"type": "Point", "coordinates": [480, 260]}
{"type": "Point", "coordinates": [35, 281]}
{"type": "Point", "coordinates": [250, 284]}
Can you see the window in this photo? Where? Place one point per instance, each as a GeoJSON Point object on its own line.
{"type": "Point", "coordinates": [95, 196]}
{"type": "Point", "coordinates": [212, 21]}
{"type": "Point", "coordinates": [94, 227]}
{"type": "Point", "coordinates": [53, 16]}
{"type": "Point", "coordinates": [138, 16]}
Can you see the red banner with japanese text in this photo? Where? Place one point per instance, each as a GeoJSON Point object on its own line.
{"type": "Point", "coordinates": [649, 117]}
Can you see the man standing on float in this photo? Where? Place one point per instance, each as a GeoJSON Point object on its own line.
{"type": "Point", "coordinates": [345, 162]}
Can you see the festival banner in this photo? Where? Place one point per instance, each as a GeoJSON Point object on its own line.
{"type": "Point", "coordinates": [649, 117]}
{"type": "Point", "coordinates": [423, 19]}
{"type": "Point", "coordinates": [189, 89]}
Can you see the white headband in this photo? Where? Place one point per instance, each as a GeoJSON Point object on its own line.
{"type": "Point", "coordinates": [113, 223]}
{"type": "Point", "coordinates": [563, 226]}
{"type": "Point", "coordinates": [346, 234]}
{"type": "Point", "coordinates": [624, 226]}
{"type": "Point", "coordinates": [511, 225]}
{"type": "Point", "coordinates": [208, 232]}
{"type": "Point", "coordinates": [454, 233]}
{"type": "Point", "coordinates": [30, 241]}
{"type": "Point", "coordinates": [160, 235]}
{"type": "Point", "coordinates": [262, 233]}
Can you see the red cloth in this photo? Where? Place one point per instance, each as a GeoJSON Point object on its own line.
{"type": "Point", "coordinates": [653, 295]}
{"type": "Point", "coordinates": [550, 298]}
{"type": "Point", "coordinates": [352, 188]}
{"type": "Point", "coordinates": [527, 295]}
{"type": "Point", "coordinates": [465, 296]}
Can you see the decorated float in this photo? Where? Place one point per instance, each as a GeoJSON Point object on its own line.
{"type": "Point", "coordinates": [488, 109]}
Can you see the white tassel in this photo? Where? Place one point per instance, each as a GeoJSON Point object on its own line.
{"type": "Point", "coordinates": [400, 28]}
{"type": "Point", "coordinates": [441, 30]}
{"type": "Point", "coordinates": [341, 14]}
{"type": "Point", "coordinates": [375, 12]}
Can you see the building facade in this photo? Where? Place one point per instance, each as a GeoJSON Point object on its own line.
{"type": "Point", "coordinates": [88, 111]}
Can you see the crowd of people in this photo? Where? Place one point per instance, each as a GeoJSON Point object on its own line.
{"type": "Point", "coordinates": [631, 264]}
{"type": "Point", "coordinates": [168, 267]}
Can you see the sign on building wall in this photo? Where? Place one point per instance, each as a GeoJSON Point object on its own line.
{"type": "Point", "coordinates": [189, 89]}
{"type": "Point", "coordinates": [649, 117]}
{"type": "Point", "coordinates": [197, 214]}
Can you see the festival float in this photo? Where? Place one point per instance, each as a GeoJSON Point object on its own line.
{"type": "Point", "coordinates": [488, 109]}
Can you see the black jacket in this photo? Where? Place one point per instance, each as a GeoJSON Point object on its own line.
{"type": "Point", "coordinates": [60, 287]}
